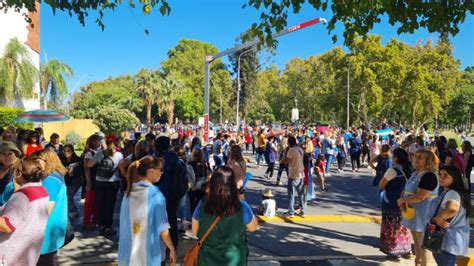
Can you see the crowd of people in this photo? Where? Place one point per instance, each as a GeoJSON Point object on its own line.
{"type": "Point", "coordinates": [164, 178]}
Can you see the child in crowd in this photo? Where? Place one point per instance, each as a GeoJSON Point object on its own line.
{"type": "Point", "coordinates": [268, 206]}
{"type": "Point", "coordinates": [319, 171]}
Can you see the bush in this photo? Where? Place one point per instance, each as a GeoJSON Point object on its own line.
{"type": "Point", "coordinates": [73, 138]}
{"type": "Point", "coordinates": [115, 120]}
{"type": "Point", "coordinates": [8, 114]}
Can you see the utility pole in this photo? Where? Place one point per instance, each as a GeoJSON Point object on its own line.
{"type": "Point", "coordinates": [221, 111]}
{"type": "Point", "coordinates": [348, 88]}
{"type": "Point", "coordinates": [209, 58]}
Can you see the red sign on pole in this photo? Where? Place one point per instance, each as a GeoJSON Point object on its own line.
{"type": "Point", "coordinates": [206, 127]}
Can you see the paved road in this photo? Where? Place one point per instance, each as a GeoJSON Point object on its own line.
{"type": "Point", "coordinates": [301, 242]}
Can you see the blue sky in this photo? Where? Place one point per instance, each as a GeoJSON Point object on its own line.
{"type": "Point", "coordinates": [124, 47]}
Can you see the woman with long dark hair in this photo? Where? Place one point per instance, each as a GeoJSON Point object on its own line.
{"type": "Point", "coordinates": [395, 238]}
{"type": "Point", "coordinates": [73, 177]}
{"type": "Point", "coordinates": [453, 215]}
{"type": "Point", "coordinates": [237, 163]}
{"type": "Point", "coordinates": [32, 144]}
{"type": "Point", "coordinates": [201, 171]}
{"type": "Point", "coordinates": [227, 244]}
{"type": "Point", "coordinates": [469, 158]}
{"type": "Point", "coordinates": [143, 216]}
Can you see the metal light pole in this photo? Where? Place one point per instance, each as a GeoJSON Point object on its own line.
{"type": "Point", "coordinates": [239, 86]}
{"type": "Point", "coordinates": [209, 58]}
{"type": "Point", "coordinates": [348, 87]}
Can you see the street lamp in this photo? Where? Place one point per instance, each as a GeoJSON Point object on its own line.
{"type": "Point", "coordinates": [238, 84]}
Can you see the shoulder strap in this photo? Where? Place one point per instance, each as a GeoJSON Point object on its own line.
{"type": "Point", "coordinates": [209, 230]}
{"type": "Point", "coordinates": [439, 204]}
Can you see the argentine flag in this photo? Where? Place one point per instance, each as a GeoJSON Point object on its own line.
{"type": "Point", "coordinates": [142, 219]}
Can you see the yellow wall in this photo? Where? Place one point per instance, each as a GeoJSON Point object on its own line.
{"type": "Point", "coordinates": [83, 127]}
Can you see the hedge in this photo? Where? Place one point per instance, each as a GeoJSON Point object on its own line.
{"type": "Point", "coordinates": [8, 114]}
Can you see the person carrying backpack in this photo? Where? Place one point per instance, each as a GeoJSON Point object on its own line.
{"type": "Point", "coordinates": [107, 183]}
{"type": "Point", "coordinates": [173, 183]}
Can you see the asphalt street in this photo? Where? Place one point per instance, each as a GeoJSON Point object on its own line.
{"type": "Point", "coordinates": [341, 227]}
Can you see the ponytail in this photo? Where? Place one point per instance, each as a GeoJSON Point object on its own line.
{"type": "Point", "coordinates": [138, 170]}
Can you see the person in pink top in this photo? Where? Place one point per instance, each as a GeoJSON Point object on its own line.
{"type": "Point", "coordinates": [24, 218]}
{"type": "Point", "coordinates": [374, 147]}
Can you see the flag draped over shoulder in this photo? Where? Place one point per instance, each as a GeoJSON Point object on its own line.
{"type": "Point", "coordinates": [142, 219]}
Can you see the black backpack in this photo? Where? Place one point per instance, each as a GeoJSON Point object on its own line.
{"type": "Point", "coordinates": [179, 185]}
{"type": "Point", "coordinates": [106, 168]}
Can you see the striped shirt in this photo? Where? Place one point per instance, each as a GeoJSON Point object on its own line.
{"type": "Point", "coordinates": [26, 214]}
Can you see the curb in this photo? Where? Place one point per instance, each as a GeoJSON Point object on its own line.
{"type": "Point", "coordinates": [322, 219]}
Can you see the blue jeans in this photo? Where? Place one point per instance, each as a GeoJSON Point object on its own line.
{"type": "Point", "coordinates": [259, 156]}
{"type": "Point", "coordinates": [218, 160]}
{"type": "Point", "coordinates": [445, 259]}
{"type": "Point", "coordinates": [295, 186]}
{"type": "Point", "coordinates": [329, 160]}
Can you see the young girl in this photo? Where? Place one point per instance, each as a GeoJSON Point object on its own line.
{"type": "Point", "coordinates": [143, 217]}
{"type": "Point", "coordinates": [319, 171]}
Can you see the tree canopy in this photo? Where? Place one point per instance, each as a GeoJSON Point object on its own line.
{"type": "Point", "coordinates": [357, 17]}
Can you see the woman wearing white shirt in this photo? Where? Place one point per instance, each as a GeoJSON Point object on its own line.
{"type": "Point", "coordinates": [107, 183]}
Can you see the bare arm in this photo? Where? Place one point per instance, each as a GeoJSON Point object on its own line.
{"type": "Point", "coordinates": [194, 226]}
{"type": "Point", "coordinates": [165, 235]}
{"type": "Point", "coordinates": [252, 226]}
{"type": "Point", "coordinates": [123, 167]}
{"type": "Point", "coordinates": [452, 208]}
{"type": "Point", "coordinates": [383, 183]}
{"type": "Point", "coordinates": [89, 163]}
{"type": "Point", "coordinates": [421, 195]}
{"type": "Point", "coordinates": [373, 161]}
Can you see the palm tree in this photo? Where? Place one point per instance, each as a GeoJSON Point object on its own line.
{"type": "Point", "coordinates": [148, 85]}
{"type": "Point", "coordinates": [18, 74]}
{"type": "Point", "coordinates": [52, 80]}
{"type": "Point", "coordinates": [169, 89]}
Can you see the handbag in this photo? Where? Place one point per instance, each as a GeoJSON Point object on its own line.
{"type": "Point", "coordinates": [191, 258]}
{"type": "Point", "coordinates": [434, 235]}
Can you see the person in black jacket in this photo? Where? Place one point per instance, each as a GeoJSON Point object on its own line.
{"type": "Point", "coordinates": [170, 172]}
{"type": "Point", "coordinates": [73, 177]}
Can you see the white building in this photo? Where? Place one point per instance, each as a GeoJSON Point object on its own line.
{"type": "Point", "coordinates": [13, 24]}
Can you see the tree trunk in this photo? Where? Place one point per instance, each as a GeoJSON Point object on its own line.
{"type": "Point", "coordinates": [170, 113]}
{"type": "Point", "coordinates": [148, 115]}
{"type": "Point", "coordinates": [363, 111]}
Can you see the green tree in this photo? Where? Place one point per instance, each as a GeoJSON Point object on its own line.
{"type": "Point", "coordinates": [359, 17]}
{"type": "Point", "coordinates": [148, 85]}
{"type": "Point", "coordinates": [119, 92]}
{"type": "Point", "coordinates": [52, 80]}
{"type": "Point", "coordinates": [112, 120]}
{"type": "Point", "coordinates": [18, 75]}
{"type": "Point", "coordinates": [186, 63]}
{"type": "Point", "coordinates": [170, 87]}
{"type": "Point", "coordinates": [222, 95]}
{"type": "Point", "coordinates": [249, 67]}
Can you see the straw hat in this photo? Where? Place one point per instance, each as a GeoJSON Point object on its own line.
{"type": "Point", "coordinates": [268, 193]}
